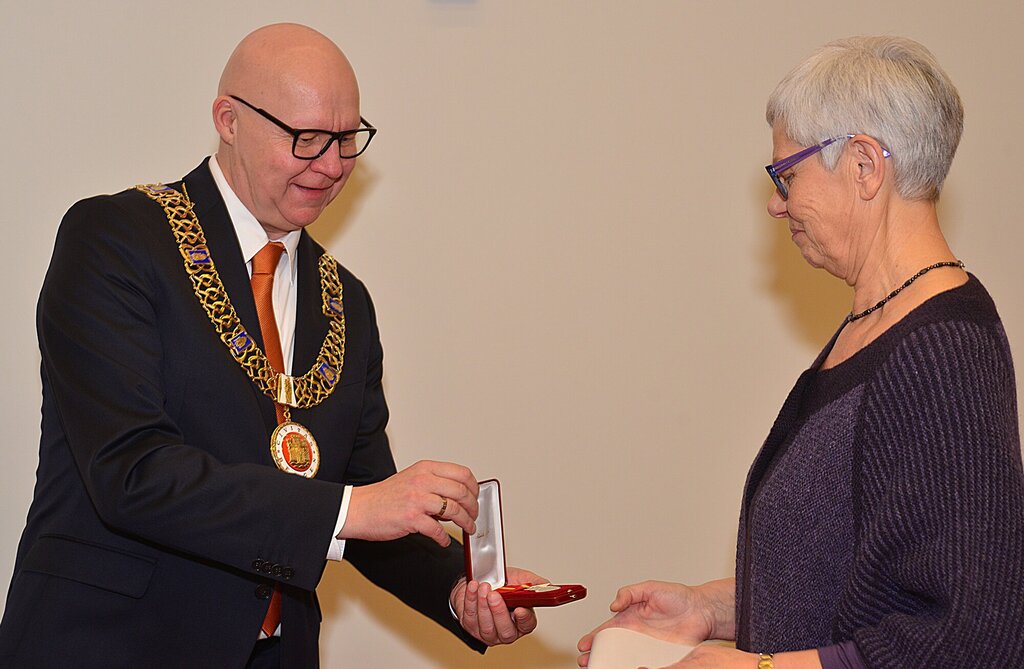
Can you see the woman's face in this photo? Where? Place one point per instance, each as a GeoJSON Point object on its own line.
{"type": "Point", "coordinates": [819, 208]}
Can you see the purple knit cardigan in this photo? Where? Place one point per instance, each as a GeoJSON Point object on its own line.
{"type": "Point", "coordinates": [885, 512]}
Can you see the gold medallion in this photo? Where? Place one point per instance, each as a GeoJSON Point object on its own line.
{"type": "Point", "coordinates": [294, 450]}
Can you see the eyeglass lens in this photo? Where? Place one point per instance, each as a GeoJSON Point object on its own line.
{"type": "Point", "coordinates": [310, 145]}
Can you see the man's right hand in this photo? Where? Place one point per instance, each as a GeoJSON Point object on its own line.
{"type": "Point", "coordinates": [414, 501]}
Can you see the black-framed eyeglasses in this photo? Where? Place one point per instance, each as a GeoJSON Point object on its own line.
{"type": "Point", "coordinates": [311, 143]}
{"type": "Point", "coordinates": [777, 168]}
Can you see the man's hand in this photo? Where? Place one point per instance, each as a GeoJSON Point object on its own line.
{"type": "Point", "coordinates": [415, 500]}
{"type": "Point", "coordinates": [482, 612]}
{"type": "Point", "coordinates": [669, 611]}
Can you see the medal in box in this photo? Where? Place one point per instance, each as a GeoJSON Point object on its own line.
{"type": "Point", "coordinates": [485, 559]}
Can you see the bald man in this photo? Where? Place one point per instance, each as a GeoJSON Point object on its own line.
{"type": "Point", "coordinates": [213, 417]}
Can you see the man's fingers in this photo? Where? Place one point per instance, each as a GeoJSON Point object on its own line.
{"type": "Point", "coordinates": [504, 626]}
{"type": "Point", "coordinates": [445, 508]}
{"type": "Point", "coordinates": [525, 619]}
{"type": "Point", "coordinates": [451, 471]}
{"type": "Point", "coordinates": [461, 474]}
{"type": "Point", "coordinates": [517, 576]}
{"type": "Point", "coordinates": [437, 481]}
{"type": "Point", "coordinates": [469, 610]}
{"type": "Point", "coordinates": [432, 529]}
{"type": "Point", "coordinates": [485, 619]}
{"type": "Point", "coordinates": [485, 616]}
{"type": "Point", "coordinates": [454, 491]}
{"type": "Point", "coordinates": [465, 522]}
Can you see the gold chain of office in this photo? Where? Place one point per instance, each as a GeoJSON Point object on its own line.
{"type": "Point", "coordinates": [302, 392]}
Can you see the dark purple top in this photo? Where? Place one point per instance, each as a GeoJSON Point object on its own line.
{"type": "Point", "coordinates": [883, 520]}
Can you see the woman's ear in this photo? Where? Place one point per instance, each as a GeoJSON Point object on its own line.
{"type": "Point", "coordinates": [871, 166]}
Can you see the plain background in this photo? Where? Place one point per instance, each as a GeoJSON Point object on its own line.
{"type": "Point", "coordinates": [562, 224]}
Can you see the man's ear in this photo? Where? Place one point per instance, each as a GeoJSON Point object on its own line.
{"type": "Point", "coordinates": [871, 166]}
{"type": "Point", "coordinates": [224, 118]}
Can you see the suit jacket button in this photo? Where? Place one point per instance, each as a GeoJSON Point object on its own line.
{"type": "Point", "coordinates": [277, 570]}
{"type": "Point", "coordinates": [268, 568]}
{"type": "Point", "coordinates": [257, 564]}
{"type": "Point", "coordinates": [263, 591]}
{"type": "Point", "coordinates": [287, 573]}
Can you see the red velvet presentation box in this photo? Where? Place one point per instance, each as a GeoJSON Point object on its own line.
{"type": "Point", "coordinates": [485, 558]}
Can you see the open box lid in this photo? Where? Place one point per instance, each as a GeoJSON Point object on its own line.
{"type": "Point", "coordinates": [485, 550]}
{"type": "Point", "coordinates": [485, 559]}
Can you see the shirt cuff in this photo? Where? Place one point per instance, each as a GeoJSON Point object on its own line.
{"type": "Point", "coordinates": [451, 607]}
{"type": "Point", "coordinates": [336, 549]}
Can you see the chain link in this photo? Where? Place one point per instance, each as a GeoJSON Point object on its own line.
{"type": "Point", "coordinates": [311, 388]}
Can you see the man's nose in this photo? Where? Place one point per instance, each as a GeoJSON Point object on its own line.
{"type": "Point", "coordinates": [330, 163]}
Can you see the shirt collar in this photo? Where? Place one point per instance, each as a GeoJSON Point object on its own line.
{"type": "Point", "coordinates": [251, 235]}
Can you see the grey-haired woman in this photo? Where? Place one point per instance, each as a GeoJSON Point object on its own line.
{"type": "Point", "coordinates": [882, 523]}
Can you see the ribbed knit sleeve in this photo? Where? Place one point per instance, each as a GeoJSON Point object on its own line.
{"type": "Point", "coordinates": [938, 574]}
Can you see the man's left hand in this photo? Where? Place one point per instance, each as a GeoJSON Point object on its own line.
{"type": "Point", "coordinates": [482, 611]}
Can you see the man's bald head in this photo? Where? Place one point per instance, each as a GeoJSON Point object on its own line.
{"type": "Point", "coordinates": [303, 80]}
{"type": "Point", "coordinates": [286, 58]}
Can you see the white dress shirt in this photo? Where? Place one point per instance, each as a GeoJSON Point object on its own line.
{"type": "Point", "coordinates": [252, 237]}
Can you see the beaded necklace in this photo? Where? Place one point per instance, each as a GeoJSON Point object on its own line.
{"type": "Point", "coordinates": [948, 263]}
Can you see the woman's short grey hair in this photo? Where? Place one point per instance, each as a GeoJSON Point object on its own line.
{"type": "Point", "coordinates": [890, 88]}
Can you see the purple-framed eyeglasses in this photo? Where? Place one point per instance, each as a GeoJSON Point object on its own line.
{"type": "Point", "coordinates": [777, 168]}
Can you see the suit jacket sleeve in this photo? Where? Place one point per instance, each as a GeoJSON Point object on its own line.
{"type": "Point", "coordinates": [414, 568]}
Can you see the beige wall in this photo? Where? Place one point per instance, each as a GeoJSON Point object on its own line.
{"type": "Point", "coordinates": [562, 223]}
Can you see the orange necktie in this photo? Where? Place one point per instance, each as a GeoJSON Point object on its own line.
{"type": "Point", "coordinates": [264, 265]}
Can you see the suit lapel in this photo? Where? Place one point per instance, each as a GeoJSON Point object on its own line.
{"type": "Point", "coordinates": [223, 245]}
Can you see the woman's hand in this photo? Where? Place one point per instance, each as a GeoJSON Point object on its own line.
{"type": "Point", "coordinates": [711, 656]}
{"type": "Point", "coordinates": [671, 611]}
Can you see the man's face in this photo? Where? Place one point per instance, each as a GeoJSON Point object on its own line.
{"type": "Point", "coordinates": [283, 192]}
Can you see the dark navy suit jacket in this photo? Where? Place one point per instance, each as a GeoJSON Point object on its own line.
{"type": "Point", "coordinates": [159, 520]}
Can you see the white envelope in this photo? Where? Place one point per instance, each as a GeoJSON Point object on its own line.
{"type": "Point", "coordinates": [620, 648]}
